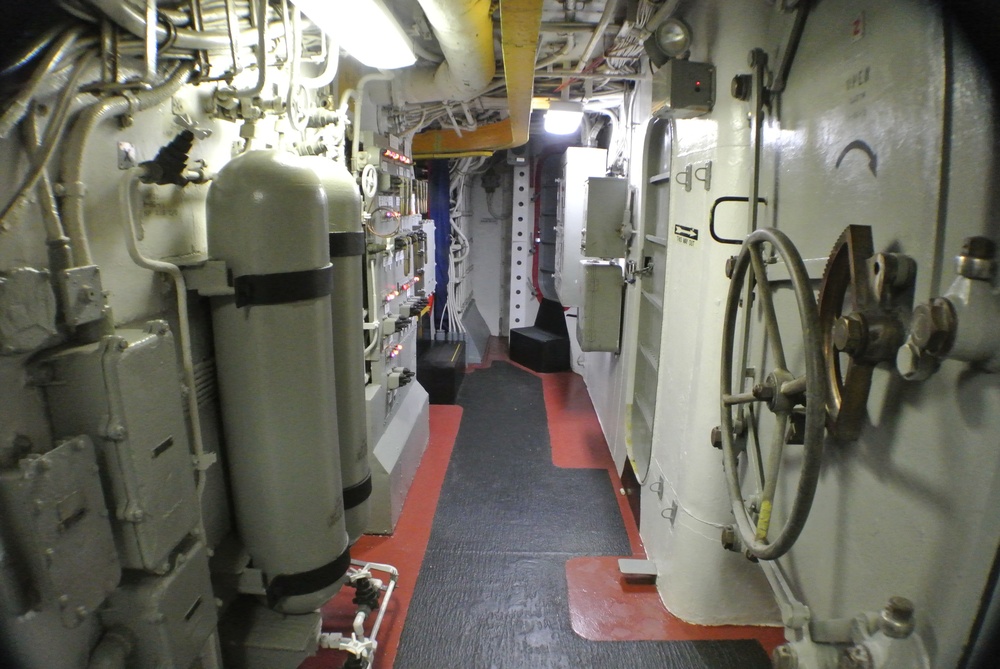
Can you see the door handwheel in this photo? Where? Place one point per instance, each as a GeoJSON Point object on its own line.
{"type": "Point", "coordinates": [783, 392]}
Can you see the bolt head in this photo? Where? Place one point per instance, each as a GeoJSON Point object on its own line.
{"type": "Point", "coordinates": [855, 657]}
{"type": "Point", "coordinates": [933, 326]}
{"type": "Point", "coordinates": [729, 538]}
{"type": "Point", "coordinates": [763, 392]}
{"type": "Point", "coordinates": [716, 437]}
{"type": "Point", "coordinates": [850, 334]}
{"type": "Point", "coordinates": [785, 657]}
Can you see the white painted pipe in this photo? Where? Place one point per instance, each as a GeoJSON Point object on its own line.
{"type": "Point", "coordinates": [129, 186]}
{"type": "Point", "coordinates": [76, 144]}
{"type": "Point", "coordinates": [464, 30]}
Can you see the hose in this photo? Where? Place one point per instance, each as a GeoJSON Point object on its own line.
{"type": "Point", "coordinates": [19, 105]}
{"type": "Point", "coordinates": [53, 136]}
{"type": "Point", "coordinates": [32, 51]}
{"type": "Point", "coordinates": [72, 161]}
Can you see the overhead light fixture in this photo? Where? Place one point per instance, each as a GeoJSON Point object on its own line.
{"type": "Point", "coordinates": [563, 117]}
{"type": "Point", "coordinates": [670, 39]}
{"type": "Point", "coordinates": [366, 29]}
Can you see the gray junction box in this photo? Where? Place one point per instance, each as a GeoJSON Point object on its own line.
{"type": "Point", "coordinates": [122, 392]}
{"type": "Point", "coordinates": [683, 89]}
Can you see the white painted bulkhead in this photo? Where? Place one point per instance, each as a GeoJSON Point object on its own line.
{"type": "Point", "coordinates": [903, 510]}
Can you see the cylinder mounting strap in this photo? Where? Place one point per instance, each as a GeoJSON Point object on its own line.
{"type": "Point", "coordinates": [306, 582]}
{"type": "Point", "coordinates": [357, 493]}
{"type": "Point", "coordinates": [344, 244]}
{"type": "Point", "coordinates": [283, 287]}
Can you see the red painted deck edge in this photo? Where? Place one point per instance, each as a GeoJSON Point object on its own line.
{"type": "Point", "coordinates": [404, 549]}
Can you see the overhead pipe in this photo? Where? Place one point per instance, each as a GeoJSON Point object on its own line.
{"type": "Point", "coordinates": [520, 21]}
{"type": "Point", "coordinates": [76, 144]}
{"type": "Point", "coordinates": [464, 30]}
{"type": "Point", "coordinates": [134, 21]}
{"type": "Point", "coordinates": [609, 13]}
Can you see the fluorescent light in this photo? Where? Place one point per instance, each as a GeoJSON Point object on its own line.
{"type": "Point", "coordinates": [563, 117]}
{"type": "Point", "coordinates": [366, 29]}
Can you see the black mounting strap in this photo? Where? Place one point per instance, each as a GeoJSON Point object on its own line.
{"type": "Point", "coordinates": [283, 287]}
{"type": "Point", "coordinates": [357, 493]}
{"type": "Point", "coordinates": [306, 582]}
{"type": "Point", "coordinates": [345, 244]}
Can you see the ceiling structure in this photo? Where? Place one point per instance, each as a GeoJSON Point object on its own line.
{"type": "Point", "coordinates": [551, 50]}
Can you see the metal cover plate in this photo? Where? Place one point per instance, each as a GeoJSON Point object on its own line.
{"type": "Point", "coordinates": [60, 524]}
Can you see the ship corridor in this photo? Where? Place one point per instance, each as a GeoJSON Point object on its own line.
{"type": "Point", "coordinates": [512, 531]}
{"type": "Point", "coordinates": [499, 334]}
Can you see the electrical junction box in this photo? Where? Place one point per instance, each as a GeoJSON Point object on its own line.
{"type": "Point", "coordinates": [59, 550]}
{"type": "Point", "coordinates": [683, 89]}
{"type": "Point", "coordinates": [124, 392]}
{"type": "Point", "coordinates": [598, 324]}
{"type": "Point", "coordinates": [604, 213]}
{"type": "Point", "coordinates": [578, 165]}
{"type": "Point", "coordinates": [171, 616]}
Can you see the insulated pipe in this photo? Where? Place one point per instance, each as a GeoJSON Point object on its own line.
{"type": "Point", "coordinates": [72, 161]}
{"type": "Point", "coordinates": [609, 13]}
{"type": "Point", "coordinates": [267, 219]}
{"type": "Point", "coordinates": [347, 251]}
{"type": "Point", "coordinates": [464, 30]}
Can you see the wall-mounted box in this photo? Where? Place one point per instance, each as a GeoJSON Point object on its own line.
{"type": "Point", "coordinates": [59, 551]}
{"type": "Point", "coordinates": [683, 89]}
{"type": "Point", "coordinates": [171, 616]}
{"type": "Point", "coordinates": [604, 213]}
{"type": "Point", "coordinates": [598, 324]}
{"type": "Point", "coordinates": [578, 164]}
{"type": "Point", "coordinates": [124, 392]}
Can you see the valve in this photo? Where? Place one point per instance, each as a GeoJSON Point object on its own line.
{"type": "Point", "coordinates": [964, 324]}
{"type": "Point", "coordinates": [873, 288]}
{"type": "Point", "coordinates": [781, 391]}
{"type": "Point", "coordinates": [399, 377]}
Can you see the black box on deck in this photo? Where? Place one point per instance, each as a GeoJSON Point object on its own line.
{"type": "Point", "coordinates": [539, 350]}
{"type": "Point", "coordinates": [441, 368]}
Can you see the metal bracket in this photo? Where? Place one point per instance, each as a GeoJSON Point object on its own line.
{"type": "Point", "coordinates": [251, 582]}
{"type": "Point", "coordinates": [209, 279]}
{"type": "Point", "coordinates": [670, 513]}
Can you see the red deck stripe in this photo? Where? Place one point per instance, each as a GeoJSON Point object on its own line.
{"type": "Point", "coordinates": [603, 605]}
{"type": "Point", "coordinates": [404, 549]}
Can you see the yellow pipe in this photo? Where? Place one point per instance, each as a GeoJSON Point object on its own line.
{"type": "Point", "coordinates": [520, 21]}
